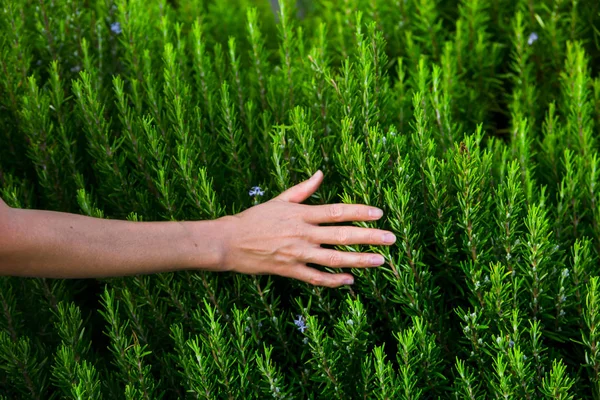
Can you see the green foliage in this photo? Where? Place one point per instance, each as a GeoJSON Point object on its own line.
{"type": "Point", "coordinates": [473, 124]}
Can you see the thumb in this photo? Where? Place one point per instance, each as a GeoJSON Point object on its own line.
{"type": "Point", "coordinates": [303, 190]}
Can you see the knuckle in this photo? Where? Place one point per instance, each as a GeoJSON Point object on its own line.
{"type": "Point", "coordinates": [315, 280]}
{"type": "Point", "coordinates": [373, 237]}
{"type": "Point", "coordinates": [343, 236]}
{"type": "Point", "coordinates": [358, 213]}
{"type": "Point", "coordinates": [336, 211]}
{"type": "Point", "coordinates": [335, 260]}
{"type": "Point", "coordinates": [298, 253]}
{"type": "Point", "coordinates": [365, 260]}
{"type": "Point", "coordinates": [299, 231]}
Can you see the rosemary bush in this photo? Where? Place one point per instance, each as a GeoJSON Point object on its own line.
{"type": "Point", "coordinates": [473, 124]}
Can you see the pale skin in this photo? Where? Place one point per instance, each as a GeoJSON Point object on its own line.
{"type": "Point", "coordinates": [278, 237]}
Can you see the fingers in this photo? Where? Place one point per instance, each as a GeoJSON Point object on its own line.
{"type": "Point", "coordinates": [342, 259]}
{"type": "Point", "coordinates": [318, 278]}
{"type": "Point", "coordinates": [331, 213]}
{"type": "Point", "coordinates": [348, 235]}
{"type": "Point", "coordinates": [303, 190]}
{"type": "Point", "coordinates": [335, 259]}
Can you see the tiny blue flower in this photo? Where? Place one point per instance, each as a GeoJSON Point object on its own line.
{"type": "Point", "coordinates": [116, 27]}
{"type": "Point", "coordinates": [256, 191]}
{"type": "Point", "coordinates": [300, 324]}
{"type": "Point", "coordinates": [532, 38]}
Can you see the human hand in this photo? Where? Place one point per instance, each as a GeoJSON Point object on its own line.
{"type": "Point", "coordinates": [281, 236]}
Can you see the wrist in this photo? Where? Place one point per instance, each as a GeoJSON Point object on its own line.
{"type": "Point", "coordinates": [211, 241]}
{"type": "Point", "coordinates": [224, 235]}
{"type": "Point", "coordinates": [208, 245]}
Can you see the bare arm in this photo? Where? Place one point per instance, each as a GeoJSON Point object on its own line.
{"type": "Point", "coordinates": [62, 245]}
{"type": "Point", "coordinates": [278, 237]}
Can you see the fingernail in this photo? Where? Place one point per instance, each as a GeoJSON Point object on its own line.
{"type": "Point", "coordinates": [377, 260]}
{"type": "Point", "coordinates": [315, 174]}
{"type": "Point", "coordinates": [389, 238]}
{"type": "Point", "coordinates": [348, 281]}
{"type": "Point", "coordinates": [375, 213]}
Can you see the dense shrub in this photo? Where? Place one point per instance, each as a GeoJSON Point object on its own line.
{"type": "Point", "coordinates": [472, 123]}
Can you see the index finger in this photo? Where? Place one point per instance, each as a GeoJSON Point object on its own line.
{"type": "Point", "coordinates": [332, 213]}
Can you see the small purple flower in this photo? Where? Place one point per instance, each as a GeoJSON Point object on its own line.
{"type": "Point", "coordinates": [256, 191]}
{"type": "Point", "coordinates": [532, 38]}
{"type": "Point", "coordinates": [116, 27]}
{"type": "Point", "coordinates": [300, 324]}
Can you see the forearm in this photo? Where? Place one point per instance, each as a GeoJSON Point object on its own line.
{"type": "Point", "coordinates": [60, 245]}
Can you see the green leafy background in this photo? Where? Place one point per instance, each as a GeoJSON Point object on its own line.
{"type": "Point", "coordinates": [473, 124]}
